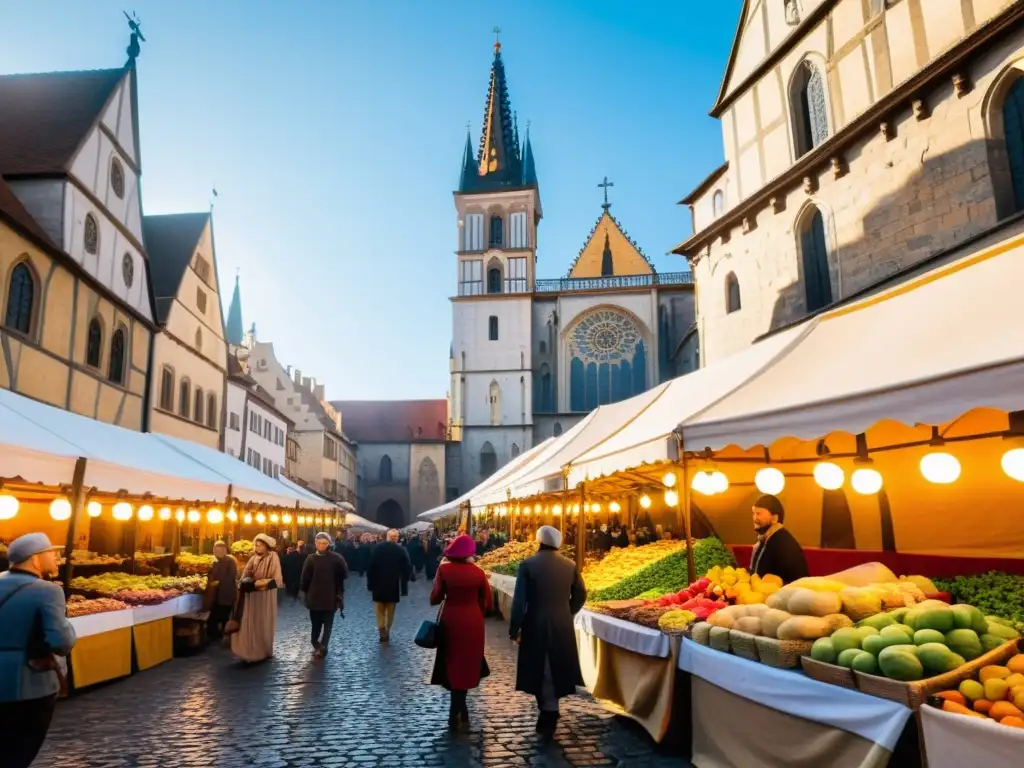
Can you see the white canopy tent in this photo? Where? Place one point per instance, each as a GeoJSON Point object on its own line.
{"type": "Point", "coordinates": [649, 436]}
{"type": "Point", "coordinates": [546, 475]}
{"type": "Point", "coordinates": [924, 352]}
{"type": "Point", "coordinates": [498, 477]}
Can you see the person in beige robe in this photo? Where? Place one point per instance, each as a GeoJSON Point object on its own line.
{"type": "Point", "coordinates": [254, 640]}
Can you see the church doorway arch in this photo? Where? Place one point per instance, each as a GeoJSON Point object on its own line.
{"type": "Point", "coordinates": [390, 513]}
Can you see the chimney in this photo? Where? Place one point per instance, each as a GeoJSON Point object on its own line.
{"type": "Point", "coordinates": [318, 392]}
{"type": "Point", "coordinates": [305, 383]}
{"type": "Point", "coordinates": [298, 377]}
{"type": "Point", "coordinates": [288, 371]}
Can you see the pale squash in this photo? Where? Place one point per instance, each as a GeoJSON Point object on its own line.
{"type": "Point", "coordinates": [803, 628]}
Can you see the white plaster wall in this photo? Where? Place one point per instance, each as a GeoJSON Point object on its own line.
{"type": "Point", "coordinates": [470, 334]}
{"type": "Point", "coordinates": [516, 399]}
{"type": "Point", "coordinates": [501, 438]}
{"type": "Point", "coordinates": [266, 448]}
{"type": "Point", "coordinates": [235, 404]}
{"type": "Point", "coordinates": [423, 497]}
{"type": "Point", "coordinates": [91, 166]}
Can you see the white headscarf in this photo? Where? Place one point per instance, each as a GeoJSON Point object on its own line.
{"type": "Point", "coordinates": [550, 536]}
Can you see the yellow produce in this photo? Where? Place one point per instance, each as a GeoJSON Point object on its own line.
{"type": "Point", "coordinates": [804, 628]}
{"type": "Point", "coordinates": [972, 689]}
{"type": "Point", "coordinates": [860, 603]}
{"type": "Point", "coordinates": [819, 584]}
{"type": "Point", "coordinates": [676, 620]}
{"type": "Point", "coordinates": [996, 689]}
{"type": "Point", "coordinates": [993, 672]}
{"type": "Point", "coordinates": [621, 563]}
{"type": "Point", "coordinates": [804, 602]}
{"type": "Point", "coordinates": [921, 582]}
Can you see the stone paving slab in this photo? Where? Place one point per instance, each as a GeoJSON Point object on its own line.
{"type": "Point", "coordinates": [365, 705]}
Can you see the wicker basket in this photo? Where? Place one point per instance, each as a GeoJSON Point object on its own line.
{"type": "Point", "coordinates": [719, 639]}
{"type": "Point", "coordinates": [828, 673]}
{"type": "Point", "coordinates": [783, 654]}
{"type": "Point", "coordinates": [744, 645]}
{"type": "Point", "coordinates": [700, 632]}
{"type": "Point", "coordinates": [915, 694]}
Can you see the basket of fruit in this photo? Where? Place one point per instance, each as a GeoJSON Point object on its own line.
{"type": "Point", "coordinates": [782, 654]}
{"type": "Point", "coordinates": [996, 692]}
{"type": "Point", "coordinates": [675, 621]}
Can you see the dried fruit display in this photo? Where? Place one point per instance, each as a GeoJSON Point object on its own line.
{"type": "Point", "coordinates": [140, 590]}
{"type": "Point", "coordinates": [85, 557]}
{"type": "Point", "coordinates": [189, 564]}
{"type": "Point", "coordinates": [513, 552]}
{"type": "Point", "coordinates": [79, 606]}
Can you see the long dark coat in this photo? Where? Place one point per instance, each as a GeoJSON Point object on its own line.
{"type": "Point", "coordinates": [459, 663]}
{"type": "Point", "coordinates": [549, 592]}
{"type": "Point", "coordinates": [388, 574]}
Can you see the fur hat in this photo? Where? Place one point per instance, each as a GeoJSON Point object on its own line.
{"type": "Point", "coordinates": [325, 536]}
{"type": "Point", "coordinates": [268, 540]}
{"type": "Point", "coordinates": [549, 536]}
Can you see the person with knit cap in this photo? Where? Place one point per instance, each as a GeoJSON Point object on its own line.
{"type": "Point", "coordinates": [323, 582]}
{"type": "Point", "coordinates": [254, 639]}
{"type": "Point", "coordinates": [549, 592]}
{"type": "Point", "coordinates": [463, 589]}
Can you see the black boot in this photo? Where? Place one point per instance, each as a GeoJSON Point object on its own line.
{"type": "Point", "coordinates": [454, 713]}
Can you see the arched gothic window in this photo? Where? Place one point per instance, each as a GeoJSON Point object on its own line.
{"type": "Point", "coordinates": [607, 359]}
{"type": "Point", "coordinates": [718, 203]}
{"type": "Point", "coordinates": [197, 406]}
{"type": "Point", "coordinates": [385, 469]}
{"type": "Point", "coordinates": [94, 343]}
{"type": "Point", "coordinates": [494, 397]}
{"type": "Point", "coordinates": [492, 328]}
{"type": "Point", "coordinates": [814, 258]}
{"type": "Point", "coordinates": [167, 388]}
{"type": "Point", "coordinates": [558, 428]}
{"type": "Point", "coordinates": [488, 460]}
{"type": "Point", "coordinates": [732, 293]}
{"type": "Point", "coordinates": [515, 450]}
{"type": "Point", "coordinates": [1013, 129]}
{"type": "Point", "coordinates": [211, 411]}
{"type": "Point", "coordinates": [21, 297]}
{"type": "Point", "coordinates": [494, 280]}
{"type": "Point", "coordinates": [810, 110]}
{"type": "Point", "coordinates": [496, 231]}
{"type": "Point", "coordinates": [185, 398]}
{"type": "Point", "coordinates": [118, 353]}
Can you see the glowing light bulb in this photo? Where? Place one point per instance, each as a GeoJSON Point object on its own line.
{"type": "Point", "coordinates": [719, 482]}
{"type": "Point", "coordinates": [8, 506]}
{"type": "Point", "coordinates": [194, 516]}
{"type": "Point", "coordinates": [615, 507]}
{"type": "Point", "coordinates": [60, 509]}
{"type": "Point", "coordinates": [671, 498]}
{"type": "Point", "coordinates": [556, 510]}
{"type": "Point", "coordinates": [645, 501]}
{"type": "Point", "coordinates": [770, 480]}
{"type": "Point", "coordinates": [165, 513]}
{"type": "Point", "coordinates": [214, 516]}
{"type": "Point", "coordinates": [247, 519]}
{"type": "Point", "coordinates": [595, 507]}
{"type": "Point", "coordinates": [180, 515]}
{"type": "Point", "coordinates": [94, 508]}
{"type": "Point", "coordinates": [1013, 463]}
{"type": "Point", "coordinates": [669, 480]}
{"type": "Point", "coordinates": [701, 483]}
{"type": "Point", "coordinates": [286, 519]}
{"type": "Point", "coordinates": [829, 476]}
{"type": "Point", "coordinates": [261, 518]}
{"type": "Point", "coordinates": [866, 481]}
{"type": "Point", "coordinates": [145, 513]}
{"type": "Point", "coordinates": [940, 468]}
{"type": "Point", "coordinates": [275, 518]}
{"type": "Point", "coordinates": [232, 515]}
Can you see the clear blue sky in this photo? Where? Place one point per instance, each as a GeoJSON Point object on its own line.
{"type": "Point", "coordinates": [333, 132]}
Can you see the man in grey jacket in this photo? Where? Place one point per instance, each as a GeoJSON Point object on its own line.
{"type": "Point", "coordinates": [34, 631]}
{"type": "Point", "coordinates": [323, 582]}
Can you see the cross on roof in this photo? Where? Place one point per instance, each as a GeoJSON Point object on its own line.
{"type": "Point", "coordinates": [604, 185]}
{"type": "Point", "coordinates": [497, 38]}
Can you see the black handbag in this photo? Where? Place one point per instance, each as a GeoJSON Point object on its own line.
{"type": "Point", "coordinates": [429, 634]}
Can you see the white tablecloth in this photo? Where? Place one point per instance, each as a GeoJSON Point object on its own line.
{"type": "Point", "coordinates": [504, 584]}
{"type": "Point", "coordinates": [624, 634]}
{"type": "Point", "coordinates": [955, 741]}
{"type": "Point", "coordinates": [794, 693]}
{"type": "Point", "coordinates": [98, 623]}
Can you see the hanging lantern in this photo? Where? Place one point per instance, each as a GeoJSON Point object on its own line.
{"type": "Point", "coordinates": [232, 515]}
{"type": "Point", "coordinates": [595, 508]}
{"type": "Point", "coordinates": [214, 516]}
{"type": "Point", "coordinates": [1013, 463]}
{"type": "Point", "coordinates": [60, 509]}
{"type": "Point", "coordinates": [180, 515]}
{"type": "Point", "coordinates": [248, 518]}
{"type": "Point", "coordinates": [645, 501]}
{"type": "Point", "coordinates": [770, 480]}
{"type": "Point", "coordinates": [261, 518]}
{"type": "Point", "coordinates": [615, 507]}
{"type": "Point", "coordinates": [145, 513]}
{"type": "Point", "coordinates": [122, 511]}
{"type": "Point", "coordinates": [575, 509]}
{"type": "Point", "coordinates": [701, 483]}
{"type": "Point", "coordinates": [669, 480]}
{"type": "Point", "coordinates": [671, 498]}
{"type": "Point", "coordinates": [866, 481]}
{"type": "Point", "coordinates": [940, 468]}
{"type": "Point", "coordinates": [829, 476]}
{"type": "Point", "coordinates": [275, 518]}
{"type": "Point", "coordinates": [556, 510]}
{"type": "Point", "coordinates": [537, 508]}
{"type": "Point", "coordinates": [194, 516]}
{"type": "Point", "coordinates": [719, 482]}
{"type": "Point", "coordinates": [286, 519]}
{"type": "Point", "coordinates": [165, 513]}
{"type": "Point", "coordinates": [94, 508]}
{"type": "Point", "coordinates": [8, 506]}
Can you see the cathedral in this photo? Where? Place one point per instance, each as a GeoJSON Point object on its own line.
{"type": "Point", "coordinates": [530, 357]}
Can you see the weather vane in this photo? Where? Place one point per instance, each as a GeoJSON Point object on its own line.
{"type": "Point", "coordinates": [497, 39]}
{"type": "Point", "coordinates": [604, 185]}
{"type": "Point", "coordinates": [135, 25]}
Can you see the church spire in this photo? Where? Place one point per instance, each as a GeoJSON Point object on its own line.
{"type": "Point", "coordinates": [529, 169]}
{"type": "Point", "coordinates": [468, 173]}
{"type": "Point", "coordinates": [235, 329]}
{"type": "Point", "coordinates": [497, 158]}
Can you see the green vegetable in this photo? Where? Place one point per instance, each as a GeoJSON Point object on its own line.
{"type": "Point", "coordinates": [668, 574]}
{"type": "Point", "coordinates": [995, 592]}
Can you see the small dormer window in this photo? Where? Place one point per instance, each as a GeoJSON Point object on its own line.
{"type": "Point", "coordinates": [201, 300]}
{"type": "Point", "coordinates": [117, 178]}
{"type": "Point", "coordinates": [91, 236]}
{"type": "Point", "coordinates": [128, 270]}
{"type": "Point", "coordinates": [496, 238]}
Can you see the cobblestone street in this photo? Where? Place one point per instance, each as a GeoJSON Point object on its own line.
{"type": "Point", "coordinates": [366, 705]}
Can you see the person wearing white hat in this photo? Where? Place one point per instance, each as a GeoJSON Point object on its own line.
{"type": "Point", "coordinates": [253, 639]}
{"type": "Point", "coordinates": [549, 592]}
{"type": "Point", "coordinates": [35, 635]}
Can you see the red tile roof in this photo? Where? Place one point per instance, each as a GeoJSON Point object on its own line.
{"type": "Point", "coordinates": [394, 421]}
{"type": "Point", "coordinates": [45, 117]}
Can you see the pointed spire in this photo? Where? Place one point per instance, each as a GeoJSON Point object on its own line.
{"type": "Point", "coordinates": [497, 157]}
{"type": "Point", "coordinates": [515, 136]}
{"type": "Point", "coordinates": [529, 168]}
{"type": "Point", "coordinates": [468, 174]}
{"type": "Point", "coordinates": [235, 329]}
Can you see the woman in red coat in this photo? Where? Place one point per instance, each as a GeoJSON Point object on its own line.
{"type": "Point", "coordinates": [466, 594]}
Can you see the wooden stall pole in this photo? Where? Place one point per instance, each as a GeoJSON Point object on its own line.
{"type": "Point", "coordinates": [469, 518]}
{"type": "Point", "coordinates": [77, 503]}
{"type": "Point", "coordinates": [684, 495]}
{"type": "Point", "coordinates": [565, 503]}
{"type": "Point", "coordinates": [581, 528]}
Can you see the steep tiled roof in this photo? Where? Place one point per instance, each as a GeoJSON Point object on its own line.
{"type": "Point", "coordinates": [45, 117]}
{"type": "Point", "coordinates": [394, 421]}
{"type": "Point", "coordinates": [12, 209]}
{"type": "Point", "coordinates": [171, 241]}
{"type": "Point", "coordinates": [608, 241]}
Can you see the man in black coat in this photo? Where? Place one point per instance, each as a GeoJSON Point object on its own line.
{"type": "Point", "coordinates": [549, 592]}
{"type": "Point", "coordinates": [777, 551]}
{"type": "Point", "coordinates": [323, 582]}
{"type": "Point", "coordinates": [387, 577]}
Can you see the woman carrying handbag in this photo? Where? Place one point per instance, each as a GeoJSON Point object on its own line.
{"type": "Point", "coordinates": [254, 622]}
{"type": "Point", "coordinates": [460, 665]}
